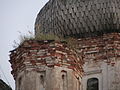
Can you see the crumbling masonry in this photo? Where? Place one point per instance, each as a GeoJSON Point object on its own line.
{"type": "Point", "coordinates": [52, 65]}
{"type": "Point", "coordinates": [49, 65]}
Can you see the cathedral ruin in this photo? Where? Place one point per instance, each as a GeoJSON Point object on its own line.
{"type": "Point", "coordinates": [91, 62]}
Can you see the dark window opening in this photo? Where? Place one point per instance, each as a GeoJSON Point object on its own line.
{"type": "Point", "coordinates": [42, 79]}
{"type": "Point", "coordinates": [64, 82]}
{"type": "Point", "coordinates": [93, 84]}
{"type": "Point", "coordinates": [63, 76]}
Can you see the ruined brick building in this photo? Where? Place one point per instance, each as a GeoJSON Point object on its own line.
{"type": "Point", "coordinates": [52, 65]}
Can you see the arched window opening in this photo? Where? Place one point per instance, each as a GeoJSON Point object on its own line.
{"type": "Point", "coordinates": [64, 80]}
{"type": "Point", "coordinates": [42, 79]}
{"type": "Point", "coordinates": [93, 84]}
{"type": "Point", "coordinates": [63, 77]}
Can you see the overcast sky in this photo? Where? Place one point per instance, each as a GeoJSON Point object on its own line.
{"type": "Point", "coordinates": [15, 16]}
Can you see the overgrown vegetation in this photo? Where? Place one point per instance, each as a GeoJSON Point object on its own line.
{"type": "Point", "coordinates": [70, 41]}
{"type": "Point", "coordinates": [48, 37]}
{"type": "Point", "coordinates": [22, 38]}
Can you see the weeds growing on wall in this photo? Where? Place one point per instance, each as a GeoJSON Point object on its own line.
{"type": "Point", "coordinates": [48, 37]}
{"type": "Point", "coordinates": [70, 41]}
{"type": "Point", "coordinates": [22, 38]}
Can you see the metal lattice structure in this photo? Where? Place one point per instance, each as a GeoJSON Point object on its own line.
{"type": "Point", "coordinates": [79, 18]}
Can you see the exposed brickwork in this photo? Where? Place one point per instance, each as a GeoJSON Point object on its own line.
{"type": "Point", "coordinates": [44, 53]}
{"type": "Point", "coordinates": [94, 57]}
{"type": "Point", "coordinates": [36, 53]}
{"type": "Point", "coordinates": [103, 48]}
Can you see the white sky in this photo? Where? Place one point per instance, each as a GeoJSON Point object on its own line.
{"type": "Point", "coordinates": [15, 16]}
